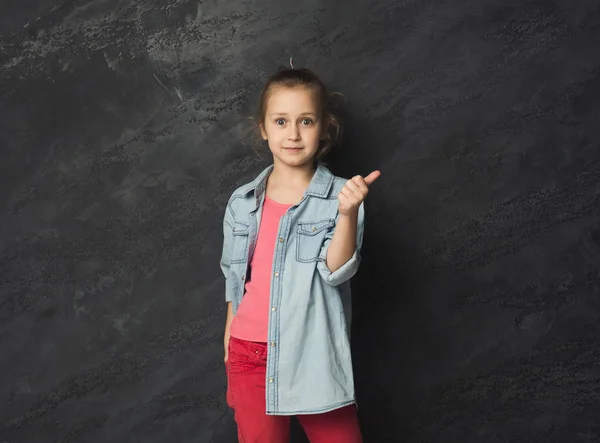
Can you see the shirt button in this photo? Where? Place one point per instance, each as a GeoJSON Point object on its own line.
{"type": "Point", "coordinates": [314, 229]}
{"type": "Point", "coordinates": [270, 379]}
{"type": "Point", "coordinates": [272, 344]}
{"type": "Point", "coordinates": [277, 274]}
{"type": "Point", "coordinates": [280, 239]}
{"type": "Point", "coordinates": [243, 276]}
{"type": "Point", "coordinates": [273, 309]}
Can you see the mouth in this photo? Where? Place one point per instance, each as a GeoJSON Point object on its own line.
{"type": "Point", "coordinates": [292, 149]}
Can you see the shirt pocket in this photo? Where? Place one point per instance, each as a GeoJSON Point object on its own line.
{"type": "Point", "coordinates": [310, 236]}
{"type": "Point", "coordinates": [239, 249]}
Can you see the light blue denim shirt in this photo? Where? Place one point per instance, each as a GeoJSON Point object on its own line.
{"type": "Point", "coordinates": [309, 366]}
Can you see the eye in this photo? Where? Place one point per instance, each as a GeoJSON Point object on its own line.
{"type": "Point", "coordinates": [277, 122]}
{"type": "Point", "coordinates": [307, 121]}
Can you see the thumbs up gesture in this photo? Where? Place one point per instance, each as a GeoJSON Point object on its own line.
{"type": "Point", "coordinates": [354, 192]}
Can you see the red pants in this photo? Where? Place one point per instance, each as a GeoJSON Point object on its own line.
{"type": "Point", "coordinates": [246, 372]}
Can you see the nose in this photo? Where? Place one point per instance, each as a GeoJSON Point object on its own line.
{"type": "Point", "coordinates": [294, 132]}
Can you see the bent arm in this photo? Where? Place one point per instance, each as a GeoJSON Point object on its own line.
{"type": "Point", "coordinates": [340, 254]}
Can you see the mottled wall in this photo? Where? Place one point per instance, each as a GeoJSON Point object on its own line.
{"type": "Point", "coordinates": [123, 131]}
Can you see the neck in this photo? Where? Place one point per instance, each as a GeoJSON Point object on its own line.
{"type": "Point", "coordinates": [292, 176]}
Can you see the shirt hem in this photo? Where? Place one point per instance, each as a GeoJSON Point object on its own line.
{"type": "Point", "coordinates": [315, 411]}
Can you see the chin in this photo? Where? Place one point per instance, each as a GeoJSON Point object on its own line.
{"type": "Point", "coordinates": [300, 161]}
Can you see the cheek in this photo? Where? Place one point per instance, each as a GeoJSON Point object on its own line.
{"type": "Point", "coordinates": [313, 132]}
{"type": "Point", "coordinates": [270, 131]}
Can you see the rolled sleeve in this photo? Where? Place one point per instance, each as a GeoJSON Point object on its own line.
{"type": "Point", "coordinates": [227, 243]}
{"type": "Point", "coordinates": [348, 269]}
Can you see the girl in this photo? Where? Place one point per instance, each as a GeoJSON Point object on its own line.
{"type": "Point", "coordinates": [292, 240]}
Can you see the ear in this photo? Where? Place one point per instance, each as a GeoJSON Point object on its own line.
{"type": "Point", "coordinates": [263, 133]}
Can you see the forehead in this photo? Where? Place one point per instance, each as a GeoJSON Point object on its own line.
{"type": "Point", "coordinates": [297, 99]}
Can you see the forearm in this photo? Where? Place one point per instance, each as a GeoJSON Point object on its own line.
{"type": "Point", "coordinates": [227, 326]}
{"type": "Point", "coordinates": [343, 242]}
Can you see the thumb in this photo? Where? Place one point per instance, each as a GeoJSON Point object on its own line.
{"type": "Point", "coordinates": [372, 177]}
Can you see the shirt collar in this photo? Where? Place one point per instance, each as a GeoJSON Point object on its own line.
{"type": "Point", "coordinates": [319, 185]}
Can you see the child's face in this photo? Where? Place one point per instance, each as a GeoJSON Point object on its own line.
{"type": "Point", "coordinates": [292, 120]}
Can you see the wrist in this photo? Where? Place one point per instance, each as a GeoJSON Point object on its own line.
{"type": "Point", "coordinates": [351, 215]}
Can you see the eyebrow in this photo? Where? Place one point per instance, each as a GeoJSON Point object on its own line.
{"type": "Point", "coordinates": [283, 113]}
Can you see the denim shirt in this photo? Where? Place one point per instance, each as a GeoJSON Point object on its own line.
{"type": "Point", "coordinates": [309, 366]}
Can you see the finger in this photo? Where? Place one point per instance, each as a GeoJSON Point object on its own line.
{"type": "Point", "coordinates": [348, 194]}
{"type": "Point", "coordinates": [360, 182]}
{"type": "Point", "coordinates": [352, 185]}
{"type": "Point", "coordinates": [369, 179]}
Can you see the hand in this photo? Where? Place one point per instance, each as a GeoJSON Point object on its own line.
{"type": "Point", "coordinates": [354, 192]}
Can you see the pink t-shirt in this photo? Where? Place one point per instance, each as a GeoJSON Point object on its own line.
{"type": "Point", "coordinates": [251, 321]}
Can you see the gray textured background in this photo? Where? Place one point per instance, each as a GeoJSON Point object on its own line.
{"type": "Point", "coordinates": [123, 131]}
